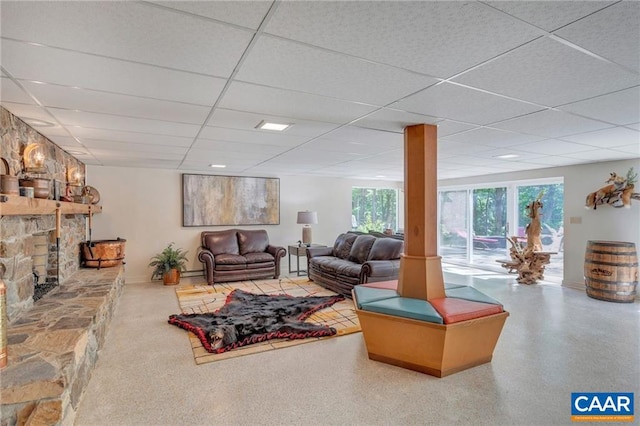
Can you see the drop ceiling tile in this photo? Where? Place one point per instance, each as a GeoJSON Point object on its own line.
{"type": "Point", "coordinates": [551, 124]}
{"type": "Point", "coordinates": [448, 147]}
{"type": "Point", "coordinates": [248, 121]}
{"type": "Point", "coordinates": [492, 137]}
{"type": "Point", "coordinates": [633, 149]}
{"type": "Point", "coordinates": [369, 137]}
{"type": "Point", "coordinates": [288, 65]}
{"type": "Point", "coordinates": [67, 68]}
{"type": "Point", "coordinates": [549, 15]}
{"type": "Point", "coordinates": [10, 92]}
{"type": "Point", "coordinates": [138, 163]}
{"type": "Point", "coordinates": [125, 147]}
{"type": "Point", "coordinates": [260, 99]}
{"type": "Point", "coordinates": [251, 136]}
{"type": "Point", "coordinates": [607, 138]}
{"type": "Point", "coordinates": [551, 160]}
{"type": "Point", "coordinates": [635, 126]}
{"type": "Point", "coordinates": [126, 124]}
{"type": "Point", "coordinates": [436, 38]}
{"type": "Point", "coordinates": [548, 73]}
{"type": "Point", "coordinates": [351, 148]}
{"type": "Point", "coordinates": [449, 127]}
{"type": "Point", "coordinates": [600, 155]}
{"type": "Point", "coordinates": [226, 157]}
{"type": "Point", "coordinates": [244, 13]}
{"type": "Point", "coordinates": [35, 112]}
{"type": "Point", "coordinates": [621, 107]}
{"type": "Point", "coordinates": [239, 147]}
{"type": "Point", "coordinates": [613, 33]}
{"type": "Point", "coordinates": [554, 147]}
{"type": "Point", "coordinates": [463, 104]}
{"type": "Point", "coordinates": [130, 137]}
{"type": "Point", "coordinates": [110, 154]}
{"type": "Point", "coordinates": [108, 103]}
{"type": "Point", "coordinates": [393, 120]}
{"type": "Point", "coordinates": [114, 29]}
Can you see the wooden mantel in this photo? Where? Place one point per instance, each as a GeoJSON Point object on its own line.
{"type": "Point", "coordinates": [15, 205]}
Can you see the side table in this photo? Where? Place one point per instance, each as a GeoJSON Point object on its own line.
{"type": "Point", "coordinates": [299, 251]}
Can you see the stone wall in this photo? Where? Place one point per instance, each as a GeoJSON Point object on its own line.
{"type": "Point", "coordinates": [16, 245]}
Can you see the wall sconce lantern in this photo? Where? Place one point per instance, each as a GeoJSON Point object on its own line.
{"type": "Point", "coordinates": [33, 158]}
{"type": "Point", "coordinates": [74, 176]}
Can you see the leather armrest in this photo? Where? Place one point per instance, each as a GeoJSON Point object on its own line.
{"type": "Point", "coordinates": [319, 251]}
{"type": "Point", "coordinates": [276, 251]}
{"type": "Point", "coordinates": [206, 256]}
{"type": "Point", "coordinates": [379, 268]}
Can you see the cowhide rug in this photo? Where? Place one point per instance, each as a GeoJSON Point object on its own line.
{"type": "Point", "coordinates": [248, 318]}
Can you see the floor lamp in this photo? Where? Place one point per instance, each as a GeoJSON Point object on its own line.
{"type": "Point", "coordinates": [307, 218]}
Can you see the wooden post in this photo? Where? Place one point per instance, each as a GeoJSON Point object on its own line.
{"type": "Point", "coordinates": [420, 267]}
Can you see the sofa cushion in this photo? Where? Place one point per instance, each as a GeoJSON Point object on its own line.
{"type": "Point", "coordinates": [253, 241]}
{"type": "Point", "coordinates": [470, 293]}
{"type": "Point", "coordinates": [348, 269]}
{"type": "Point", "coordinates": [455, 310]}
{"type": "Point", "coordinates": [230, 259]}
{"type": "Point", "coordinates": [260, 265]}
{"type": "Point", "coordinates": [333, 265]}
{"type": "Point", "coordinates": [405, 307]}
{"type": "Point", "coordinates": [222, 242]}
{"type": "Point", "coordinates": [386, 249]}
{"type": "Point", "coordinates": [259, 257]}
{"type": "Point", "coordinates": [343, 244]}
{"type": "Point", "coordinates": [361, 247]}
{"type": "Point", "coordinates": [365, 294]}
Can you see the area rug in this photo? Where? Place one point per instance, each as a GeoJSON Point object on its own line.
{"type": "Point", "coordinates": [198, 299]}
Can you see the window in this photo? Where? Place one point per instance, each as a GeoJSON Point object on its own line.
{"type": "Point", "coordinates": [374, 209]}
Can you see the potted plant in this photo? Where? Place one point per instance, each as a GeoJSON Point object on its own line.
{"type": "Point", "coordinates": [168, 264]}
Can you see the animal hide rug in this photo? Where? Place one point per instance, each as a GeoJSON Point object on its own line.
{"type": "Point", "coordinates": [248, 318]}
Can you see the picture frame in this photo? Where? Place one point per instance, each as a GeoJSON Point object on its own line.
{"type": "Point", "coordinates": [215, 200]}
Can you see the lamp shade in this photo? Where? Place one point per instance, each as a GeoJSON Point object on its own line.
{"type": "Point", "coordinates": [307, 218]}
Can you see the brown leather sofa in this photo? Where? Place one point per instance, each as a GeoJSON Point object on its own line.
{"type": "Point", "coordinates": [236, 255]}
{"type": "Point", "coordinates": [354, 259]}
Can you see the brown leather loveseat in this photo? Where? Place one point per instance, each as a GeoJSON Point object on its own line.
{"type": "Point", "coordinates": [236, 255]}
{"type": "Point", "coordinates": [354, 259]}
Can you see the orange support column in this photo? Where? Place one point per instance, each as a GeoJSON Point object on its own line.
{"type": "Point", "coordinates": [420, 266]}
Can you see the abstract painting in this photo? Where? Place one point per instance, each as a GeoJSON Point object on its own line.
{"type": "Point", "coordinates": [230, 200]}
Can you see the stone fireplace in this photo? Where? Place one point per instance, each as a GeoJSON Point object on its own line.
{"type": "Point", "coordinates": [28, 244]}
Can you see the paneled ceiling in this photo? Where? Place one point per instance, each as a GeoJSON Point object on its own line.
{"type": "Point", "coordinates": [182, 85]}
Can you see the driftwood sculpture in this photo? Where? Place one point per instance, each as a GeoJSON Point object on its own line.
{"type": "Point", "coordinates": [618, 192]}
{"type": "Point", "coordinates": [529, 260]}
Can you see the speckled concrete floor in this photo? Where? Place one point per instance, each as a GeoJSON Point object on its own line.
{"type": "Point", "coordinates": [555, 342]}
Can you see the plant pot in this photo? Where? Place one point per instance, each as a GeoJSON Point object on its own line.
{"type": "Point", "coordinates": [172, 277]}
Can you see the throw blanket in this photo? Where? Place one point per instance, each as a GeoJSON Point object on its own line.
{"type": "Point", "coordinates": [248, 318]}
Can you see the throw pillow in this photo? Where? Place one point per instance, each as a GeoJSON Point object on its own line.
{"type": "Point", "coordinates": [343, 244]}
{"type": "Point", "coordinates": [360, 249]}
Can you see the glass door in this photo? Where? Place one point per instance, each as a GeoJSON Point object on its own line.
{"type": "Point", "coordinates": [489, 225]}
{"type": "Point", "coordinates": [454, 224]}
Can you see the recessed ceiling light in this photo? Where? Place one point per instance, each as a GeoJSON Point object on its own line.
{"type": "Point", "coordinates": [37, 123]}
{"type": "Point", "coordinates": [217, 166]}
{"type": "Point", "coordinates": [507, 156]}
{"type": "Point", "coordinates": [278, 127]}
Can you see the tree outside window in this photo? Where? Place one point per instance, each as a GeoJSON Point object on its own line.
{"type": "Point", "coordinates": [374, 209]}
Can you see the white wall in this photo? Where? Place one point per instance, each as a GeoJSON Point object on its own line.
{"type": "Point", "coordinates": [604, 223]}
{"type": "Point", "coordinates": [144, 206]}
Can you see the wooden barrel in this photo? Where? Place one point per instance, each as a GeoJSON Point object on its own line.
{"type": "Point", "coordinates": [611, 271]}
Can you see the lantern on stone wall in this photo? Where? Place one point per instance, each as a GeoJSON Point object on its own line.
{"type": "Point", "coordinates": [33, 158]}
